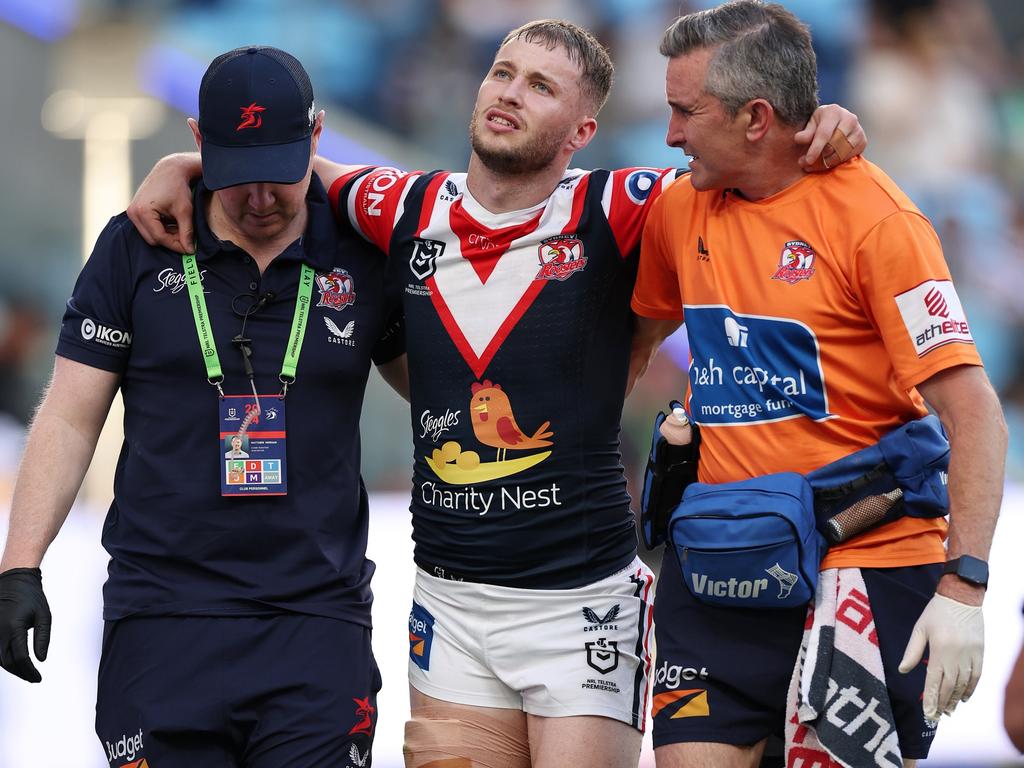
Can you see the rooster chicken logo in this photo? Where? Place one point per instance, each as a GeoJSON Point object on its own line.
{"type": "Point", "coordinates": [365, 710]}
{"type": "Point", "coordinates": [494, 424]}
{"type": "Point", "coordinates": [560, 257]}
{"type": "Point", "coordinates": [796, 263]}
{"type": "Point", "coordinates": [251, 117]}
{"type": "Point", "coordinates": [337, 290]}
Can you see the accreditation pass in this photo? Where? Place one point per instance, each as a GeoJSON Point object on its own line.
{"type": "Point", "coordinates": [252, 444]}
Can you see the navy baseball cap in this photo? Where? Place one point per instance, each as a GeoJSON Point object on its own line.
{"type": "Point", "coordinates": [256, 118]}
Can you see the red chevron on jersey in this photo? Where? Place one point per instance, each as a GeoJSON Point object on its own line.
{"type": "Point", "coordinates": [485, 278]}
{"type": "Point", "coordinates": [482, 248]}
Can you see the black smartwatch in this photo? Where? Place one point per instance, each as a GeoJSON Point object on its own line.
{"type": "Point", "coordinates": [973, 570]}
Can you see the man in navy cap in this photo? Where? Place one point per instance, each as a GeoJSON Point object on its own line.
{"type": "Point", "coordinates": [237, 608]}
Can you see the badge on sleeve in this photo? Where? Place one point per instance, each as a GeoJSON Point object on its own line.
{"type": "Point", "coordinates": [253, 458]}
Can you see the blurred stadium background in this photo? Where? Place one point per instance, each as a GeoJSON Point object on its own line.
{"type": "Point", "coordinates": [94, 91]}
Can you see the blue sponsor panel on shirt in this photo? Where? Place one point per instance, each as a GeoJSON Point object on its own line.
{"type": "Point", "coordinates": [748, 369]}
{"type": "Point", "coordinates": [421, 635]}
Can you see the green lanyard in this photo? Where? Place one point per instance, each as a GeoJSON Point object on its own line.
{"type": "Point", "coordinates": [204, 330]}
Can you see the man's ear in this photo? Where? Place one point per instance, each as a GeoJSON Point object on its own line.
{"type": "Point", "coordinates": [318, 128]}
{"type": "Point", "coordinates": [585, 131]}
{"type": "Point", "coordinates": [760, 116]}
{"type": "Point", "coordinates": [194, 125]}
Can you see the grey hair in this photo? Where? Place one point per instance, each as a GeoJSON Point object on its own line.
{"type": "Point", "coordinates": [761, 51]}
{"type": "Point", "coordinates": [584, 50]}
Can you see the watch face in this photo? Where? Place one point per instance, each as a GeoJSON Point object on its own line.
{"type": "Point", "coordinates": [969, 569]}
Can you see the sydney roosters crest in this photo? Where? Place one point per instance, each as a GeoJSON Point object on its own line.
{"type": "Point", "coordinates": [364, 711]}
{"type": "Point", "coordinates": [251, 117]}
{"type": "Point", "coordinates": [796, 262]}
{"type": "Point", "coordinates": [336, 289]}
{"type": "Point", "coordinates": [560, 257]}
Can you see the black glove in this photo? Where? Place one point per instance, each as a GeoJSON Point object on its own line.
{"type": "Point", "coordinates": [22, 607]}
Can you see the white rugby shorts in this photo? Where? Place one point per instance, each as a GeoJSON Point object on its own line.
{"type": "Point", "coordinates": [553, 653]}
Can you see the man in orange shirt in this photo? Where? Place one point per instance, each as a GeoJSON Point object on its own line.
{"type": "Point", "coordinates": [821, 316]}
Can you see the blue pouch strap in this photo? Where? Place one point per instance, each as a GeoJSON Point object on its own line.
{"type": "Point", "coordinates": [903, 474]}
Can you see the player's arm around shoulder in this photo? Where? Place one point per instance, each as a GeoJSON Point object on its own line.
{"type": "Point", "coordinates": [330, 171]}
{"type": "Point", "coordinates": [833, 135]}
{"type": "Point", "coordinates": [161, 209]}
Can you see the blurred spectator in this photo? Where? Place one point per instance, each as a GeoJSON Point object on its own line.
{"type": "Point", "coordinates": [926, 107]}
{"type": "Point", "coordinates": [21, 329]}
{"type": "Point", "coordinates": [926, 85]}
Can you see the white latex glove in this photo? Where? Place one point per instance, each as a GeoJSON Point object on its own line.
{"type": "Point", "coordinates": [955, 635]}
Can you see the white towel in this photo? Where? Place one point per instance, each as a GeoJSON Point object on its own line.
{"type": "Point", "coordinates": [838, 711]}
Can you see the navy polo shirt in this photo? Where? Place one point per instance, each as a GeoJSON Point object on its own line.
{"type": "Point", "coordinates": [176, 545]}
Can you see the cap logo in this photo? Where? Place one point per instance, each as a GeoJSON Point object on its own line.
{"type": "Point", "coordinates": [251, 117]}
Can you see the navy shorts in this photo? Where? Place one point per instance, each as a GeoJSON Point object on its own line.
{"type": "Point", "coordinates": [236, 692]}
{"type": "Point", "coordinates": [722, 674]}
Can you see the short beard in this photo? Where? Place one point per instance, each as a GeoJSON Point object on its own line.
{"type": "Point", "coordinates": [529, 158]}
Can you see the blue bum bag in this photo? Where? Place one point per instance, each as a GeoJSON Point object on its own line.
{"type": "Point", "coordinates": [758, 543]}
{"type": "Point", "coordinates": [752, 543]}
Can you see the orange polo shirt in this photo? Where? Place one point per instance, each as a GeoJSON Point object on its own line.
{"type": "Point", "coordinates": [812, 315]}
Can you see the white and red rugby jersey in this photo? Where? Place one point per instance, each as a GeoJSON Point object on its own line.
{"type": "Point", "coordinates": [518, 333]}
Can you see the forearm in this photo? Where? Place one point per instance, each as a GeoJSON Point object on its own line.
{"type": "Point", "coordinates": [161, 209]}
{"type": "Point", "coordinates": [396, 374]}
{"type": "Point", "coordinates": [976, 467]}
{"type": "Point", "coordinates": [60, 446]}
{"type": "Point", "coordinates": [330, 171]}
{"type": "Point", "coordinates": [188, 163]}
{"type": "Point", "coordinates": [648, 334]}
{"type": "Point", "coordinates": [977, 432]}
{"type": "Point", "coordinates": [52, 470]}
{"type": "Point", "coordinates": [976, 464]}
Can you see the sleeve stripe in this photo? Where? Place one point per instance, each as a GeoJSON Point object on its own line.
{"type": "Point", "coordinates": [353, 216]}
{"type": "Point", "coordinates": [627, 201]}
{"type": "Point", "coordinates": [429, 198]}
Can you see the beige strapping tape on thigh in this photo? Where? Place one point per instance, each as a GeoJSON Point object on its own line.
{"type": "Point", "coordinates": [443, 737]}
